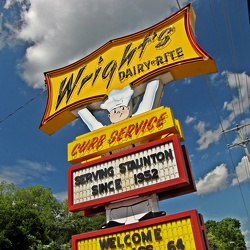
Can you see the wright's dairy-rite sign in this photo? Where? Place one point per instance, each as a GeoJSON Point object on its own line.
{"type": "Point", "coordinates": [160, 167]}
{"type": "Point", "coordinates": [167, 48]}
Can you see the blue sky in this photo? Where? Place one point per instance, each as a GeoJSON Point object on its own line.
{"type": "Point", "coordinates": [38, 36]}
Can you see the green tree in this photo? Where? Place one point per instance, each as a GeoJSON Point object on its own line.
{"type": "Point", "coordinates": [225, 234]}
{"type": "Point", "coordinates": [32, 219]}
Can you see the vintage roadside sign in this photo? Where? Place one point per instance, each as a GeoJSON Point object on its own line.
{"type": "Point", "coordinates": [159, 167]}
{"type": "Point", "coordinates": [181, 231]}
{"type": "Point", "coordinates": [144, 127]}
{"type": "Point", "coordinates": [166, 51]}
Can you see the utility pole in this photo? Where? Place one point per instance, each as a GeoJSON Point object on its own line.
{"type": "Point", "coordinates": [243, 141]}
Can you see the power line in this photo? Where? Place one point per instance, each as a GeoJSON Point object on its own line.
{"type": "Point", "coordinates": [240, 99]}
{"type": "Point", "coordinates": [243, 141]}
{"type": "Point", "coordinates": [21, 107]}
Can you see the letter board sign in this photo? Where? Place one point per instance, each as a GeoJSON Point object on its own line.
{"type": "Point", "coordinates": [181, 231]}
{"type": "Point", "coordinates": [156, 167]}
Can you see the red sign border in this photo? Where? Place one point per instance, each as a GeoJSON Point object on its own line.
{"type": "Point", "coordinates": [197, 223]}
{"type": "Point", "coordinates": [171, 188]}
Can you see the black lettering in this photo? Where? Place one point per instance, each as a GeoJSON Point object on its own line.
{"type": "Point", "coordinates": [127, 240]}
{"type": "Point", "coordinates": [147, 64]}
{"type": "Point", "coordinates": [111, 186]}
{"type": "Point", "coordinates": [104, 244]}
{"type": "Point", "coordinates": [171, 245]}
{"type": "Point", "coordinates": [109, 71]}
{"type": "Point", "coordinates": [153, 156]}
{"type": "Point", "coordinates": [160, 156]}
{"type": "Point", "coordinates": [77, 180]}
{"type": "Point", "coordinates": [142, 248]}
{"type": "Point", "coordinates": [140, 177]}
{"type": "Point", "coordinates": [146, 237]}
{"type": "Point", "coordinates": [169, 154]}
{"type": "Point", "coordinates": [84, 80]}
{"type": "Point", "coordinates": [111, 171]}
{"type": "Point", "coordinates": [140, 68]}
{"type": "Point", "coordinates": [143, 45]}
{"type": "Point", "coordinates": [147, 175]}
{"type": "Point", "coordinates": [103, 187]}
{"type": "Point", "coordinates": [139, 163]}
{"type": "Point", "coordinates": [102, 173]}
{"type": "Point", "coordinates": [171, 53]}
{"type": "Point", "coordinates": [95, 175]}
{"type": "Point", "coordinates": [154, 173]}
{"type": "Point", "coordinates": [118, 184]}
{"type": "Point", "coordinates": [180, 245]}
{"type": "Point", "coordinates": [127, 56]}
{"type": "Point", "coordinates": [136, 238]}
{"type": "Point", "coordinates": [159, 60]}
{"type": "Point", "coordinates": [134, 68]}
{"type": "Point", "coordinates": [68, 88]}
{"type": "Point", "coordinates": [121, 75]}
{"type": "Point", "coordinates": [96, 75]}
{"type": "Point", "coordinates": [119, 243]}
{"type": "Point", "coordinates": [122, 168]}
{"type": "Point", "coordinates": [157, 234]}
{"type": "Point", "coordinates": [179, 52]}
{"type": "Point", "coordinates": [112, 242]}
{"type": "Point", "coordinates": [94, 190]}
{"type": "Point", "coordinates": [88, 177]}
{"type": "Point", "coordinates": [128, 73]}
{"type": "Point", "coordinates": [164, 37]}
{"type": "Point", "coordinates": [165, 57]}
{"type": "Point", "coordinates": [146, 160]}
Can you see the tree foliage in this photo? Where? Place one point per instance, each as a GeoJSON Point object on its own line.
{"type": "Point", "coordinates": [225, 234]}
{"type": "Point", "coordinates": [32, 218]}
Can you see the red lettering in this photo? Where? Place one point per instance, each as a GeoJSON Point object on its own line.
{"type": "Point", "coordinates": [161, 119]}
{"type": "Point", "coordinates": [74, 150]}
{"type": "Point", "coordinates": [113, 136]}
{"type": "Point", "coordinates": [151, 121]}
{"type": "Point", "coordinates": [83, 147]}
{"type": "Point", "coordinates": [93, 142]}
{"type": "Point", "coordinates": [138, 128]}
{"type": "Point", "coordinates": [101, 140]}
{"type": "Point", "coordinates": [122, 132]}
{"type": "Point", "coordinates": [131, 128]}
{"type": "Point", "coordinates": [144, 126]}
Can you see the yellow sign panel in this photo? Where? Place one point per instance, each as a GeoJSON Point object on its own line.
{"type": "Point", "coordinates": [172, 235]}
{"type": "Point", "coordinates": [166, 50]}
{"type": "Point", "coordinates": [150, 125]}
{"type": "Point", "coordinates": [180, 233]}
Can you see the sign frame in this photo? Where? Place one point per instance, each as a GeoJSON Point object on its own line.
{"type": "Point", "coordinates": [197, 224]}
{"type": "Point", "coordinates": [166, 189]}
{"type": "Point", "coordinates": [150, 125]}
{"type": "Point", "coordinates": [69, 87]}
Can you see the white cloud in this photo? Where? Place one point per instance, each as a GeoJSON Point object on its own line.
{"type": "Point", "coordinates": [248, 244]}
{"type": "Point", "coordinates": [24, 171]}
{"type": "Point", "coordinates": [10, 3]}
{"type": "Point", "coordinates": [207, 137]}
{"type": "Point", "coordinates": [61, 196]}
{"type": "Point", "coordinates": [240, 102]}
{"type": "Point", "coordinates": [213, 181]}
{"type": "Point", "coordinates": [61, 32]}
{"type": "Point", "coordinates": [242, 172]}
{"type": "Point", "coordinates": [187, 80]}
{"type": "Point", "coordinates": [246, 232]}
{"type": "Point", "coordinates": [190, 119]}
{"type": "Point", "coordinates": [235, 107]}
